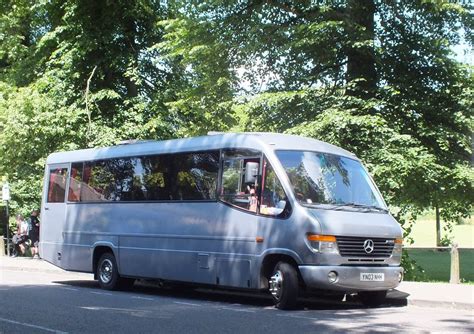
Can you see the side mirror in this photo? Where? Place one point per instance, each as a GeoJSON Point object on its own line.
{"type": "Point", "coordinates": [251, 172]}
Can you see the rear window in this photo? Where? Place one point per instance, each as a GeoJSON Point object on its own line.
{"type": "Point", "coordinates": [57, 185]}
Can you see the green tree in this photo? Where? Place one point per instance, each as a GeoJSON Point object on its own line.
{"type": "Point", "coordinates": [376, 77]}
{"type": "Point", "coordinates": [77, 74]}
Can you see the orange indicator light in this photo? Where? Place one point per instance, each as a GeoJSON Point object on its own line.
{"type": "Point", "coordinates": [324, 238]}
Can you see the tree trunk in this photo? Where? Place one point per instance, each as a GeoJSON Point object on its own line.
{"type": "Point", "coordinates": [361, 71]}
{"type": "Point", "coordinates": [438, 227]}
{"type": "Point", "coordinates": [130, 35]}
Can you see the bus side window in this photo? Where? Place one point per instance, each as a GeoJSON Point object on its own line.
{"type": "Point", "coordinates": [57, 185]}
{"type": "Point", "coordinates": [238, 187]}
{"type": "Point", "coordinates": [274, 201]}
{"type": "Point", "coordinates": [75, 179]}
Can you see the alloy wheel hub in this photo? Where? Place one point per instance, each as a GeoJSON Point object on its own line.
{"type": "Point", "coordinates": [106, 271]}
{"type": "Point", "coordinates": [275, 284]}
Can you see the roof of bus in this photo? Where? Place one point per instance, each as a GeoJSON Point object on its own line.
{"type": "Point", "coordinates": [255, 140]}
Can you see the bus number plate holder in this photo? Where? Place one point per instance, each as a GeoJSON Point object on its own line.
{"type": "Point", "coordinates": [372, 277]}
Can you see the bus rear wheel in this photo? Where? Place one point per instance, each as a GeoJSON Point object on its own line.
{"type": "Point", "coordinates": [283, 285]}
{"type": "Point", "coordinates": [108, 275]}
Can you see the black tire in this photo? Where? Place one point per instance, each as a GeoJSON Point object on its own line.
{"type": "Point", "coordinates": [284, 286]}
{"type": "Point", "coordinates": [372, 298]}
{"type": "Point", "coordinates": [108, 275]}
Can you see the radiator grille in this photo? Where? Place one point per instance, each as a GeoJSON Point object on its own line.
{"type": "Point", "coordinates": [353, 247]}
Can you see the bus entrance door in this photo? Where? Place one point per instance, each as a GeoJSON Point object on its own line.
{"type": "Point", "coordinates": [54, 212]}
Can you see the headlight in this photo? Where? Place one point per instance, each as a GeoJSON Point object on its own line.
{"type": "Point", "coordinates": [397, 247]}
{"type": "Point", "coordinates": [323, 243]}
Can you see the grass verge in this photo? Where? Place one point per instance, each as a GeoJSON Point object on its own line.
{"type": "Point", "coordinates": [437, 263]}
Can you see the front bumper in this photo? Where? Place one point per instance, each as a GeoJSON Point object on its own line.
{"type": "Point", "coordinates": [316, 277]}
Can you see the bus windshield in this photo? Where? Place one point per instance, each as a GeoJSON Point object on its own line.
{"type": "Point", "coordinates": [330, 180]}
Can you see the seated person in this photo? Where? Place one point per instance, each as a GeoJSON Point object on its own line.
{"type": "Point", "coordinates": [21, 236]}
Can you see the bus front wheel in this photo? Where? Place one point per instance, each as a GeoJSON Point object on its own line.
{"type": "Point", "coordinates": [108, 275]}
{"type": "Point", "coordinates": [283, 285]}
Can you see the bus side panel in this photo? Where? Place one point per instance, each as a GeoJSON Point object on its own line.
{"type": "Point", "coordinates": [177, 241]}
{"type": "Point", "coordinates": [77, 249]}
{"type": "Point", "coordinates": [187, 242]}
{"type": "Point", "coordinates": [49, 252]}
{"type": "Point", "coordinates": [156, 257]}
{"type": "Point", "coordinates": [233, 272]}
{"type": "Point", "coordinates": [76, 257]}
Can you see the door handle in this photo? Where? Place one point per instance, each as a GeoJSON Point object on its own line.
{"type": "Point", "coordinates": [46, 208]}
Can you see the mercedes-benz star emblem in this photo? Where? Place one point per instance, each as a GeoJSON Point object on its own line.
{"type": "Point", "coordinates": [368, 246]}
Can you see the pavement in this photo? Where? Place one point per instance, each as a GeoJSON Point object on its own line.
{"type": "Point", "coordinates": [437, 295]}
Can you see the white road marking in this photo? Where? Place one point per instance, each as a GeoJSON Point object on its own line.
{"type": "Point", "coordinates": [237, 309]}
{"type": "Point", "coordinates": [70, 289]}
{"type": "Point", "coordinates": [100, 308]}
{"type": "Point", "coordinates": [101, 293]}
{"type": "Point", "coordinates": [189, 304]}
{"type": "Point", "coordinates": [144, 298]}
{"type": "Point", "coordinates": [133, 312]}
{"type": "Point", "coordinates": [32, 326]}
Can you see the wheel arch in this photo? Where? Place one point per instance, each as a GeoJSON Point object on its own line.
{"type": "Point", "coordinates": [269, 261]}
{"type": "Point", "coordinates": [100, 249]}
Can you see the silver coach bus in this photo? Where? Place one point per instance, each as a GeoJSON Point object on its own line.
{"type": "Point", "coordinates": [258, 211]}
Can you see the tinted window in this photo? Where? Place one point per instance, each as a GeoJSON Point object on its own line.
{"type": "Point", "coordinates": [196, 176]}
{"type": "Point", "coordinates": [191, 176]}
{"type": "Point", "coordinates": [274, 201]}
{"type": "Point", "coordinates": [75, 182]}
{"type": "Point", "coordinates": [188, 176]}
{"type": "Point", "coordinates": [57, 185]}
{"type": "Point", "coordinates": [328, 179]}
{"type": "Point", "coordinates": [240, 178]}
{"type": "Point", "coordinates": [108, 180]}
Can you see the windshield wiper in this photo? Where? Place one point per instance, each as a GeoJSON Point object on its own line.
{"type": "Point", "coordinates": [326, 206]}
{"type": "Point", "coordinates": [340, 206]}
{"type": "Point", "coordinates": [363, 206]}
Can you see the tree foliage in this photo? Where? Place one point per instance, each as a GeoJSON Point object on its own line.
{"type": "Point", "coordinates": [376, 77]}
{"type": "Point", "coordinates": [50, 53]}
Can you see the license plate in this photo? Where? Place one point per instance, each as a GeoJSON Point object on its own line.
{"type": "Point", "coordinates": [372, 277]}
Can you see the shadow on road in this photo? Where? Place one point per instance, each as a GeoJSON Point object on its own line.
{"type": "Point", "coordinates": [80, 306]}
{"type": "Point", "coordinates": [258, 299]}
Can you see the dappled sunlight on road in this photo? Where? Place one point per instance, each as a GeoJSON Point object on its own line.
{"type": "Point", "coordinates": [72, 300]}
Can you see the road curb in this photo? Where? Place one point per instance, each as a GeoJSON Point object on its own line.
{"type": "Point", "coordinates": [397, 297]}
{"type": "Point", "coordinates": [33, 270]}
{"type": "Point", "coordinates": [440, 304]}
{"type": "Point", "coordinates": [26, 264]}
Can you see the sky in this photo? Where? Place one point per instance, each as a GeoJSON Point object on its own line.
{"type": "Point", "coordinates": [464, 53]}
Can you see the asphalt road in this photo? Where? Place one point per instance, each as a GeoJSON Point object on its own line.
{"type": "Point", "coordinates": [61, 302]}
